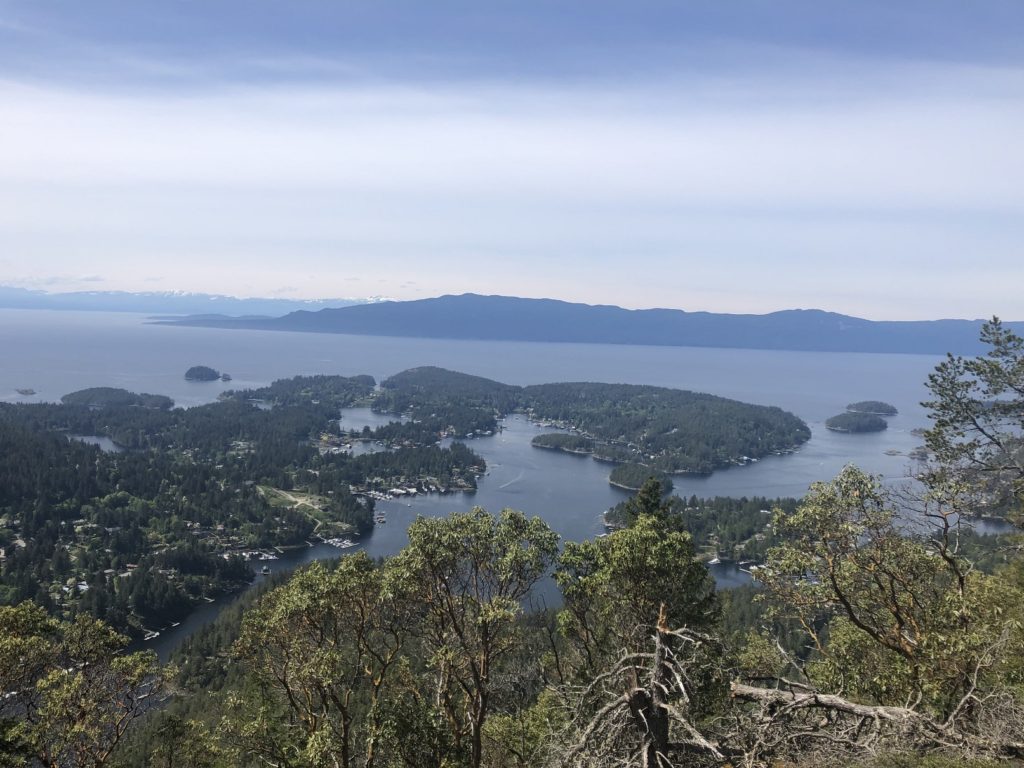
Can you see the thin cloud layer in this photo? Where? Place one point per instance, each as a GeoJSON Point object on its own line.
{"type": "Point", "coordinates": [827, 177]}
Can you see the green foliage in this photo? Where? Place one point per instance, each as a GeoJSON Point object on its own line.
{"type": "Point", "coordinates": [633, 477]}
{"type": "Point", "coordinates": [670, 430]}
{"type": "Point", "coordinates": [202, 373]}
{"type": "Point", "coordinates": [441, 403]}
{"type": "Point", "coordinates": [524, 739]}
{"type": "Point", "coordinates": [614, 587]}
{"type": "Point", "coordinates": [183, 743]}
{"type": "Point", "coordinates": [70, 692]}
{"type": "Point", "coordinates": [906, 618]}
{"type": "Point", "coordinates": [977, 409]}
{"type": "Point", "coordinates": [875, 407]}
{"type": "Point", "coordinates": [320, 648]}
{"type": "Point", "coordinates": [420, 385]}
{"type": "Point", "coordinates": [856, 422]}
{"type": "Point", "coordinates": [563, 441]}
{"type": "Point", "coordinates": [472, 573]}
{"type": "Point", "coordinates": [107, 397]}
{"type": "Point", "coordinates": [334, 391]}
{"type": "Point", "coordinates": [138, 538]}
{"type": "Point", "coordinates": [725, 527]}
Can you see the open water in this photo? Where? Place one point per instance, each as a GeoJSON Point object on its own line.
{"type": "Point", "coordinates": [55, 353]}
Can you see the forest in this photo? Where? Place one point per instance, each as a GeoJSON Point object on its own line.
{"type": "Point", "coordinates": [881, 632]}
{"type": "Point", "coordinates": [722, 528]}
{"type": "Point", "coordinates": [633, 476]}
{"type": "Point", "coordinates": [140, 536]}
{"type": "Point", "coordinates": [855, 421]}
{"type": "Point", "coordinates": [874, 407]}
{"type": "Point", "coordinates": [668, 430]}
{"type": "Point", "coordinates": [562, 441]}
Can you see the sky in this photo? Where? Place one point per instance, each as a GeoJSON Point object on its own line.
{"type": "Point", "coordinates": [746, 156]}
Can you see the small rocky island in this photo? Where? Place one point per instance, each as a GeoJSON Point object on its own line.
{"type": "Point", "coordinates": [872, 408]}
{"type": "Point", "coordinates": [856, 423]}
{"type": "Point", "coordinates": [203, 373]}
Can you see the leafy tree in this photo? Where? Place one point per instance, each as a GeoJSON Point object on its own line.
{"type": "Point", "coordinates": [472, 573]}
{"type": "Point", "coordinates": [320, 649]}
{"type": "Point", "coordinates": [852, 421]}
{"type": "Point", "coordinates": [977, 407]}
{"type": "Point", "coordinates": [183, 743]}
{"type": "Point", "coordinates": [907, 618]}
{"type": "Point", "coordinates": [70, 693]}
{"type": "Point", "coordinates": [614, 587]}
{"type": "Point", "coordinates": [638, 617]}
{"type": "Point", "coordinates": [909, 644]}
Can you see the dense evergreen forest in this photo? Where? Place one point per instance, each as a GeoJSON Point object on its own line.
{"type": "Point", "coordinates": [880, 632]}
{"type": "Point", "coordinates": [202, 373]}
{"type": "Point", "coordinates": [633, 476]}
{"type": "Point", "coordinates": [138, 537]}
{"type": "Point", "coordinates": [722, 528]}
{"type": "Point", "coordinates": [562, 441]}
{"type": "Point", "coordinates": [874, 407]}
{"type": "Point", "coordinates": [668, 430]}
{"type": "Point", "coordinates": [856, 422]}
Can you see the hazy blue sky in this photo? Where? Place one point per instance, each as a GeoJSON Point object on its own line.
{"type": "Point", "coordinates": [742, 156]}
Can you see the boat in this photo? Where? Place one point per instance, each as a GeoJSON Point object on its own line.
{"type": "Point", "coordinates": [265, 570]}
{"type": "Point", "coordinates": [25, 391]}
{"type": "Point", "coordinates": [340, 543]}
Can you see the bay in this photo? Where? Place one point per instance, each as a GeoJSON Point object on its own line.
{"type": "Point", "coordinates": [55, 353]}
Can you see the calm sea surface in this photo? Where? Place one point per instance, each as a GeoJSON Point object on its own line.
{"type": "Point", "coordinates": [55, 353]}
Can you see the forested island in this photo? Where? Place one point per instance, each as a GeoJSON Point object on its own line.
{"type": "Point", "coordinates": [856, 423]}
{"type": "Point", "coordinates": [112, 397]}
{"type": "Point", "coordinates": [667, 430]}
{"type": "Point", "coordinates": [873, 408]}
{"type": "Point", "coordinates": [202, 373]}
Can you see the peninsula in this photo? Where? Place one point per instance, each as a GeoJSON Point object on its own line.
{"type": "Point", "coordinates": [663, 430]}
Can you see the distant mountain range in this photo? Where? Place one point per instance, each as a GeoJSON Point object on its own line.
{"type": "Point", "coordinates": [504, 318]}
{"type": "Point", "coordinates": [161, 303]}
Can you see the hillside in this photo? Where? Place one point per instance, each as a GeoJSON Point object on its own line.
{"type": "Point", "coordinates": [504, 318]}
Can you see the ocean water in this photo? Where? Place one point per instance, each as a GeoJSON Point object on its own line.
{"type": "Point", "coordinates": [55, 353]}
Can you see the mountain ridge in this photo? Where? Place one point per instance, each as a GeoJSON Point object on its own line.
{"type": "Point", "coordinates": [506, 318]}
{"type": "Point", "coordinates": [160, 302]}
